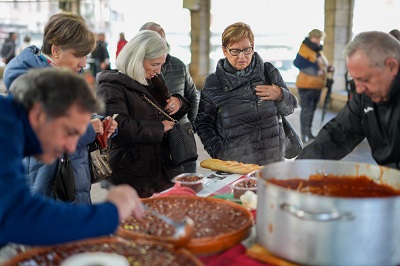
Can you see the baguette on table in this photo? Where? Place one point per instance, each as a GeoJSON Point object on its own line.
{"type": "Point", "coordinates": [233, 167]}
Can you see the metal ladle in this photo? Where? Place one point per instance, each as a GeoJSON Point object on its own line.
{"type": "Point", "coordinates": [183, 229]}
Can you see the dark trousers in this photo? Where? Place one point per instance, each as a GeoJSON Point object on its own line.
{"type": "Point", "coordinates": [308, 101]}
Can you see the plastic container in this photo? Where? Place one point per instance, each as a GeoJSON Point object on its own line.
{"type": "Point", "coordinates": [192, 180]}
{"type": "Point", "coordinates": [96, 258]}
{"type": "Point", "coordinates": [242, 185]}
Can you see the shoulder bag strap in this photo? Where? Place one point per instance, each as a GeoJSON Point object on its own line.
{"type": "Point", "coordinates": [158, 108]}
{"type": "Point", "coordinates": [268, 80]}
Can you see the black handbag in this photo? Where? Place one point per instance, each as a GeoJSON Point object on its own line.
{"type": "Point", "coordinates": [181, 142]}
{"type": "Point", "coordinates": [295, 144]}
{"type": "Point", "coordinates": [64, 182]}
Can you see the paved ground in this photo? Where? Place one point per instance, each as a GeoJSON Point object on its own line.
{"type": "Point", "coordinates": [2, 87]}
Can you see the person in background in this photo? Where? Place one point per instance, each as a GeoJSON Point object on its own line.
{"type": "Point", "coordinates": [100, 55]}
{"type": "Point", "coordinates": [313, 66]}
{"type": "Point", "coordinates": [121, 43]}
{"type": "Point", "coordinates": [373, 61]}
{"type": "Point", "coordinates": [395, 33]}
{"type": "Point", "coordinates": [26, 43]}
{"type": "Point", "coordinates": [8, 49]}
{"type": "Point", "coordinates": [62, 48]}
{"type": "Point", "coordinates": [139, 153]}
{"type": "Point", "coordinates": [178, 80]}
{"type": "Point", "coordinates": [36, 123]}
{"type": "Point", "coordinates": [239, 112]}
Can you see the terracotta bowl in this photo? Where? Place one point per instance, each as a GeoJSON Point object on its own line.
{"type": "Point", "coordinates": [136, 251]}
{"type": "Point", "coordinates": [219, 224]}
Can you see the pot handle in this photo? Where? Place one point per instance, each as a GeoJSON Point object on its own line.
{"type": "Point", "coordinates": [315, 216]}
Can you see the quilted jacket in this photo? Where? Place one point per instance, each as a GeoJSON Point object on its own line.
{"type": "Point", "coordinates": [234, 124]}
{"type": "Point", "coordinates": [178, 80]}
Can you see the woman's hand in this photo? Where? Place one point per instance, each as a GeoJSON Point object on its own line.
{"type": "Point", "coordinates": [168, 125]}
{"type": "Point", "coordinates": [113, 126]}
{"type": "Point", "coordinates": [173, 105]}
{"type": "Point", "coordinates": [269, 92]}
{"type": "Point", "coordinates": [97, 126]}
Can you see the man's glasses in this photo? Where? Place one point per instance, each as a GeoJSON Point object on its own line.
{"type": "Point", "coordinates": [236, 52]}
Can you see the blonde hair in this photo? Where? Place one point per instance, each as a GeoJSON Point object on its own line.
{"type": "Point", "coordinates": [316, 33]}
{"type": "Point", "coordinates": [237, 32]}
{"type": "Point", "coordinates": [69, 31]}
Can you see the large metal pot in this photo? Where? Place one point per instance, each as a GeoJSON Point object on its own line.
{"type": "Point", "coordinates": [321, 230]}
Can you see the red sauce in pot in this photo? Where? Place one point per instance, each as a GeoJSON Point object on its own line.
{"type": "Point", "coordinates": [338, 186]}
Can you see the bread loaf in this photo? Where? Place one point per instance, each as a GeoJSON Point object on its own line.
{"type": "Point", "coordinates": [229, 166]}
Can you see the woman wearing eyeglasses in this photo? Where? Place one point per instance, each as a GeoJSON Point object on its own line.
{"type": "Point", "coordinates": [241, 104]}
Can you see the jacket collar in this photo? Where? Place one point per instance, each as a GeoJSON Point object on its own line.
{"type": "Point", "coordinates": [230, 79]}
{"type": "Point", "coordinates": [32, 144]}
{"type": "Point", "coordinates": [394, 92]}
{"type": "Point", "coordinates": [313, 46]}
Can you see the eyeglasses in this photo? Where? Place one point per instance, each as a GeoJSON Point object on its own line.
{"type": "Point", "coordinates": [236, 52]}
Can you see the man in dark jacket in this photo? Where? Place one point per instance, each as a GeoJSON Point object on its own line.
{"type": "Point", "coordinates": [100, 55]}
{"type": "Point", "coordinates": [373, 61]}
{"type": "Point", "coordinates": [35, 122]}
{"type": "Point", "coordinates": [8, 48]}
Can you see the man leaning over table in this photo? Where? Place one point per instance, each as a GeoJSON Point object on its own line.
{"type": "Point", "coordinates": [36, 122]}
{"type": "Point", "coordinates": [373, 61]}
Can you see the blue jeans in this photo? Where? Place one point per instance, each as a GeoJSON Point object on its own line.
{"type": "Point", "coordinates": [308, 101]}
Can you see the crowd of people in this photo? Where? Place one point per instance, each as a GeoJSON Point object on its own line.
{"type": "Point", "coordinates": [237, 116]}
{"type": "Point", "coordinates": [62, 48]}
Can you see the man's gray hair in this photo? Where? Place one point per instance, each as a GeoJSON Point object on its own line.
{"type": "Point", "coordinates": [377, 47]}
{"type": "Point", "coordinates": [146, 44]}
{"type": "Point", "coordinates": [151, 26]}
{"type": "Point", "coordinates": [154, 27]}
{"type": "Point", "coordinates": [56, 90]}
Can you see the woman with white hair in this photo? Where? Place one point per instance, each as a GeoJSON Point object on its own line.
{"type": "Point", "coordinates": [139, 154]}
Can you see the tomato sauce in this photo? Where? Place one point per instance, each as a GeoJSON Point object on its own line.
{"type": "Point", "coordinates": [338, 186]}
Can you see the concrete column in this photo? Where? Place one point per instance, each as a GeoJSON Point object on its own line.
{"type": "Point", "coordinates": [200, 41]}
{"type": "Point", "coordinates": [70, 6]}
{"type": "Point", "coordinates": [338, 26]}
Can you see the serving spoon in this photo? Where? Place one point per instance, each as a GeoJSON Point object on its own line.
{"type": "Point", "coordinates": [183, 229]}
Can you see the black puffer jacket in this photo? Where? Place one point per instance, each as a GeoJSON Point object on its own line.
{"type": "Point", "coordinates": [234, 124]}
{"type": "Point", "coordinates": [139, 154]}
{"type": "Point", "coordinates": [178, 80]}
